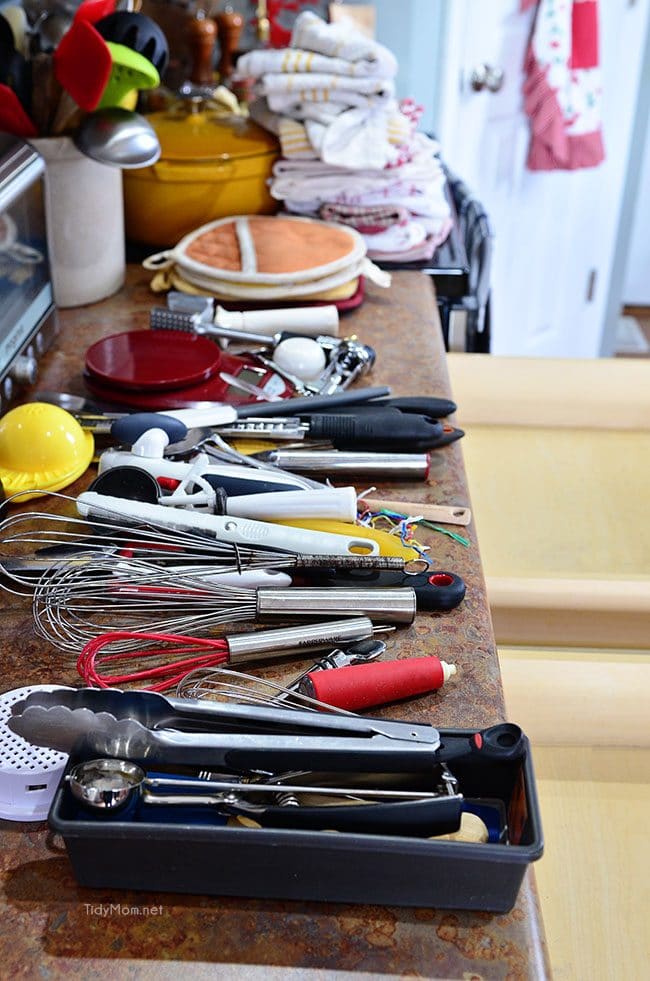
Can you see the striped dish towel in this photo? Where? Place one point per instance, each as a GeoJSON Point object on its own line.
{"type": "Point", "coordinates": [562, 89]}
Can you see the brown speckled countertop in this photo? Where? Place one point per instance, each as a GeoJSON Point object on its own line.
{"type": "Point", "coordinates": [47, 926]}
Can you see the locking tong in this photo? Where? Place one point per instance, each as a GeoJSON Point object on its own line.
{"type": "Point", "coordinates": [151, 729]}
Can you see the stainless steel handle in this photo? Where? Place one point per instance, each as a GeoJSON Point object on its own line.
{"type": "Point", "coordinates": [487, 77]}
{"type": "Point", "coordinates": [387, 465]}
{"type": "Point", "coordinates": [296, 640]}
{"type": "Point", "coordinates": [397, 605]}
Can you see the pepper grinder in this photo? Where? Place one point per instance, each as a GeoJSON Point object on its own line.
{"type": "Point", "coordinates": [201, 40]}
{"type": "Point", "coordinates": [263, 23]}
{"type": "Point", "coordinates": [230, 25]}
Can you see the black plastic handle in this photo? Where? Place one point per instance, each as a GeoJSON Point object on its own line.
{"type": "Point", "coordinates": [434, 408]}
{"type": "Point", "coordinates": [300, 405]}
{"type": "Point", "coordinates": [235, 486]}
{"type": "Point", "coordinates": [382, 430]}
{"type": "Point", "coordinates": [501, 743]}
{"type": "Point", "coordinates": [130, 428]}
{"type": "Point", "coordinates": [448, 435]}
{"type": "Point", "coordinates": [417, 818]}
{"type": "Point", "coordinates": [138, 32]}
{"type": "Point", "coordinates": [129, 483]}
{"type": "Point", "coordinates": [435, 590]}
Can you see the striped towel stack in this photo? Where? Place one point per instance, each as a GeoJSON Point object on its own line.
{"type": "Point", "coordinates": [347, 142]}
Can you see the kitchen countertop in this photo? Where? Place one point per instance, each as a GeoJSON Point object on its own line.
{"type": "Point", "coordinates": [50, 927]}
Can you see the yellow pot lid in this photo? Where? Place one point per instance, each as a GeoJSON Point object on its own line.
{"type": "Point", "coordinates": [202, 136]}
{"type": "Point", "coordinates": [42, 448]}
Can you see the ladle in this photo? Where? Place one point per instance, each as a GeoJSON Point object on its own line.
{"type": "Point", "coordinates": [118, 138]}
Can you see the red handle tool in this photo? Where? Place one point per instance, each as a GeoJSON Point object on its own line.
{"type": "Point", "coordinates": [362, 686]}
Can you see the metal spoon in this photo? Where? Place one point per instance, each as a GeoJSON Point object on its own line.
{"type": "Point", "coordinates": [108, 784]}
{"type": "Point", "coordinates": [119, 138]}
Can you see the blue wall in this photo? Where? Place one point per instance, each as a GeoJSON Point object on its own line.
{"type": "Point", "coordinates": [414, 31]}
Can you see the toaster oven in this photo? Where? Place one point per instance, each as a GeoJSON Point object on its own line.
{"type": "Point", "coordinates": [28, 321]}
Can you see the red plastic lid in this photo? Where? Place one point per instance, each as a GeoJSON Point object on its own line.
{"type": "Point", "coordinates": [158, 360]}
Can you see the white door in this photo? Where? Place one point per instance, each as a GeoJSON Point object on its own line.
{"type": "Point", "coordinates": [555, 231]}
{"type": "Point", "coordinates": [636, 291]}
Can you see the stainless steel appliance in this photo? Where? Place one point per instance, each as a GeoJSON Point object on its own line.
{"type": "Point", "coordinates": [28, 321]}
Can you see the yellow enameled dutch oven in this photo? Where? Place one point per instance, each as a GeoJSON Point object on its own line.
{"type": "Point", "coordinates": [212, 165]}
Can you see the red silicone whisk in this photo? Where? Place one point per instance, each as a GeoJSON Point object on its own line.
{"type": "Point", "coordinates": [159, 661]}
{"type": "Point", "coordinates": [173, 656]}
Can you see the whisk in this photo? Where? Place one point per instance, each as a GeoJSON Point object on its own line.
{"type": "Point", "coordinates": [159, 662]}
{"type": "Point", "coordinates": [326, 686]}
{"type": "Point", "coordinates": [223, 685]}
{"type": "Point", "coordinates": [33, 542]}
{"type": "Point", "coordinates": [72, 603]}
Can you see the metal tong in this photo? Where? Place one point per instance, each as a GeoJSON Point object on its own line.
{"type": "Point", "coordinates": [149, 728]}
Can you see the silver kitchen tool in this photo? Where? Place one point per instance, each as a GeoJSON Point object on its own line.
{"type": "Point", "coordinates": [334, 362]}
{"type": "Point", "coordinates": [33, 543]}
{"type": "Point", "coordinates": [222, 683]}
{"type": "Point", "coordinates": [215, 447]}
{"type": "Point", "coordinates": [173, 655]}
{"type": "Point", "coordinates": [252, 738]}
{"type": "Point", "coordinates": [308, 321]}
{"type": "Point", "coordinates": [119, 138]}
{"type": "Point", "coordinates": [343, 463]}
{"type": "Point", "coordinates": [235, 530]}
{"type": "Point", "coordinates": [150, 709]}
{"type": "Point", "coordinates": [158, 662]}
{"type": "Point", "coordinates": [161, 318]}
{"type": "Point", "coordinates": [78, 405]}
{"type": "Point", "coordinates": [73, 604]}
{"type": "Point", "coordinates": [109, 784]}
{"type": "Point", "coordinates": [277, 428]}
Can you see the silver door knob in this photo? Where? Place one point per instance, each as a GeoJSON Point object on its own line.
{"type": "Point", "coordinates": [487, 77]}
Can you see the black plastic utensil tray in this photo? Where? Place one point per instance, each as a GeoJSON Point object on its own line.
{"type": "Point", "coordinates": [214, 860]}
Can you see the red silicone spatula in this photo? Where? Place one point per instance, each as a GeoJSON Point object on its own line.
{"type": "Point", "coordinates": [13, 118]}
{"type": "Point", "coordinates": [94, 10]}
{"type": "Point", "coordinates": [83, 64]}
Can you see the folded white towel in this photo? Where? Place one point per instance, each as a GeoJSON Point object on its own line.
{"type": "Point", "coordinates": [428, 205]}
{"type": "Point", "coordinates": [299, 105]}
{"type": "Point", "coordinates": [354, 138]}
{"type": "Point", "coordinates": [316, 182]}
{"type": "Point", "coordinates": [316, 134]}
{"type": "Point", "coordinates": [357, 139]}
{"type": "Point", "coordinates": [297, 140]}
{"type": "Point", "coordinates": [288, 61]}
{"type": "Point", "coordinates": [397, 238]}
{"type": "Point", "coordinates": [424, 160]}
{"type": "Point", "coordinates": [423, 199]}
{"type": "Point", "coordinates": [271, 84]}
{"type": "Point", "coordinates": [342, 40]}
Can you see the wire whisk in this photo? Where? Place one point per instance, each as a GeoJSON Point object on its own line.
{"type": "Point", "coordinates": [72, 604]}
{"type": "Point", "coordinates": [34, 542]}
{"type": "Point", "coordinates": [224, 685]}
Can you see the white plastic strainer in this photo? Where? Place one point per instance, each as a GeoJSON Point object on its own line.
{"type": "Point", "coordinates": [29, 775]}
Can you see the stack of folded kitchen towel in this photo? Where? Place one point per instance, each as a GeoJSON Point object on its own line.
{"type": "Point", "coordinates": [351, 152]}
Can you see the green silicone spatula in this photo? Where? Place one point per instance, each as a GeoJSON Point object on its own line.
{"type": "Point", "coordinates": [130, 71]}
